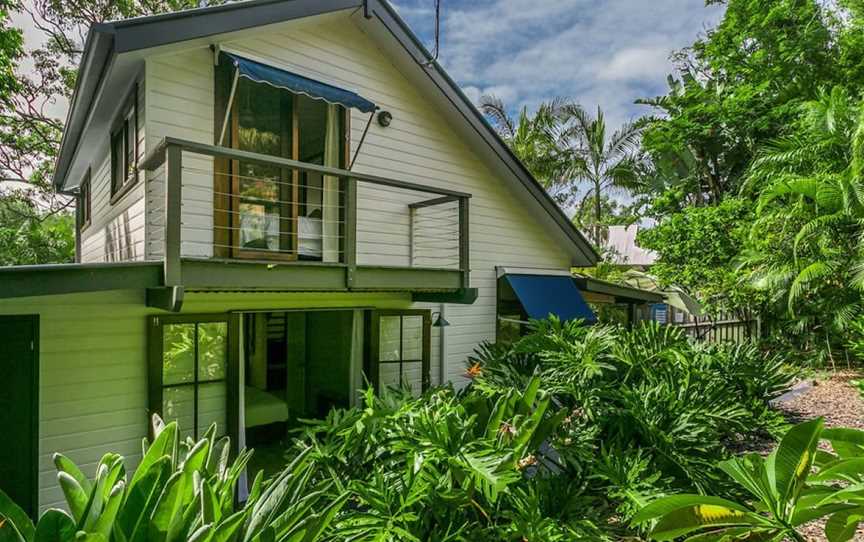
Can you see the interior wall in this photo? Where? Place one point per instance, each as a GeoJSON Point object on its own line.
{"type": "Point", "coordinates": [328, 355]}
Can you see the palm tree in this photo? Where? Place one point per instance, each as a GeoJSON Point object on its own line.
{"type": "Point", "coordinates": [537, 140]}
{"type": "Point", "coordinates": [807, 245]}
{"type": "Point", "coordinates": [604, 162]}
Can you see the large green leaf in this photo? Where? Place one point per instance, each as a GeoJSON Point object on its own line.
{"type": "Point", "coordinates": [105, 523]}
{"type": "Point", "coordinates": [164, 445]}
{"type": "Point", "coordinates": [845, 441]}
{"type": "Point", "coordinates": [666, 505]}
{"type": "Point", "coordinates": [841, 526]}
{"type": "Point", "coordinates": [684, 521]}
{"type": "Point", "coordinates": [76, 498]}
{"type": "Point", "coordinates": [11, 512]}
{"type": "Point", "coordinates": [850, 470]}
{"type": "Point", "coordinates": [55, 526]}
{"type": "Point", "coordinates": [64, 464]}
{"type": "Point", "coordinates": [794, 458]}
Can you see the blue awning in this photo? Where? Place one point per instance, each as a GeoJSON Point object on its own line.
{"type": "Point", "coordinates": [262, 73]}
{"type": "Point", "coordinates": [542, 295]}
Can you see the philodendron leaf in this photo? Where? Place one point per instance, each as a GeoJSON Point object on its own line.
{"type": "Point", "coordinates": [14, 519]}
{"type": "Point", "coordinates": [55, 526]}
{"type": "Point", "coordinates": [794, 458]}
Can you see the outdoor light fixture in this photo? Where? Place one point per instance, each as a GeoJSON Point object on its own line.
{"type": "Point", "coordinates": [439, 321]}
{"type": "Point", "coordinates": [385, 118]}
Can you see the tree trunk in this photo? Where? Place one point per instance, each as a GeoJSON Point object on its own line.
{"type": "Point", "coordinates": [597, 212]}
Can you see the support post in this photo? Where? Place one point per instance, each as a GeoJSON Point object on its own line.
{"type": "Point", "coordinates": [464, 244]}
{"type": "Point", "coordinates": [173, 212]}
{"type": "Point", "coordinates": [350, 231]}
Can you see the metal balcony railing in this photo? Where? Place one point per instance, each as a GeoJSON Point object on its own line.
{"type": "Point", "coordinates": [209, 202]}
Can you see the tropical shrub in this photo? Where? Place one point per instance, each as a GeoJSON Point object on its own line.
{"type": "Point", "coordinates": [680, 404]}
{"type": "Point", "coordinates": [181, 490]}
{"type": "Point", "coordinates": [786, 493]}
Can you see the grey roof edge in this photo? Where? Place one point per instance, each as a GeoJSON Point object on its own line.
{"type": "Point", "coordinates": [97, 50]}
{"type": "Point", "coordinates": [58, 279]}
{"type": "Point", "coordinates": [403, 33]}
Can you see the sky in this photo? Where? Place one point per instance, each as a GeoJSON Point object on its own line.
{"type": "Point", "coordinates": [605, 53]}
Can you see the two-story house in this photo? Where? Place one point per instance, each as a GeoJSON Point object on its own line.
{"type": "Point", "coordinates": [278, 202]}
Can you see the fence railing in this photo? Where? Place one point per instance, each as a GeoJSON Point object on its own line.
{"type": "Point", "coordinates": [211, 202]}
{"type": "Point", "coordinates": [723, 328]}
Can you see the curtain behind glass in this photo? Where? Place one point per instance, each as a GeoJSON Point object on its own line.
{"type": "Point", "coordinates": [330, 198]}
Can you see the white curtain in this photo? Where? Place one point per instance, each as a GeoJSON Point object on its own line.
{"type": "Point", "coordinates": [242, 483]}
{"type": "Point", "coordinates": [330, 196]}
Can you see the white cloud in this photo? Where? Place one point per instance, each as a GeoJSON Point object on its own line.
{"type": "Point", "coordinates": [598, 52]}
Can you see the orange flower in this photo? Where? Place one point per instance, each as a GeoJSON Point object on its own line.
{"type": "Point", "coordinates": [474, 371]}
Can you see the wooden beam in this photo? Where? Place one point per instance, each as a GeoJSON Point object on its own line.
{"type": "Point", "coordinates": [158, 155]}
{"type": "Point", "coordinates": [173, 211]}
{"type": "Point", "coordinates": [168, 299]}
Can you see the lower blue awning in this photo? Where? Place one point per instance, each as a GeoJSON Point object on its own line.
{"type": "Point", "coordinates": [277, 77]}
{"type": "Point", "coordinates": [542, 295]}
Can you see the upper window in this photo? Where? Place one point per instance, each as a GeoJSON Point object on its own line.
{"type": "Point", "coordinates": [124, 148]}
{"type": "Point", "coordinates": [83, 205]}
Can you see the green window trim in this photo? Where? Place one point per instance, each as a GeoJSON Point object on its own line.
{"type": "Point", "coordinates": [83, 205]}
{"type": "Point", "coordinates": [159, 389]}
{"type": "Point", "coordinates": [124, 149]}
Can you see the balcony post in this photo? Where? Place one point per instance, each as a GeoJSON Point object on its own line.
{"type": "Point", "coordinates": [173, 211]}
{"type": "Point", "coordinates": [464, 244]}
{"type": "Point", "coordinates": [350, 240]}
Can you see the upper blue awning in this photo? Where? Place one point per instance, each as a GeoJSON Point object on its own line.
{"type": "Point", "coordinates": [262, 73]}
{"type": "Point", "coordinates": [542, 295]}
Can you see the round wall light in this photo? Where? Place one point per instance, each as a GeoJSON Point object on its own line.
{"type": "Point", "coordinates": [385, 118]}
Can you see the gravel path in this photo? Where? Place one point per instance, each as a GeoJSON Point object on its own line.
{"type": "Point", "coordinates": [836, 399]}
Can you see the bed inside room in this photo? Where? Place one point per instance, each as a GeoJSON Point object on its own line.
{"type": "Point", "coordinates": [298, 365]}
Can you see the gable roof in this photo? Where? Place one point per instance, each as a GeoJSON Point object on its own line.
{"type": "Point", "coordinates": [108, 40]}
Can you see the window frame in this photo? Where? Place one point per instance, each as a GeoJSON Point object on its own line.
{"type": "Point", "coordinates": [155, 359]}
{"type": "Point", "coordinates": [121, 155]}
{"type": "Point", "coordinates": [83, 205]}
{"type": "Point", "coordinates": [226, 227]}
{"type": "Point", "coordinates": [373, 335]}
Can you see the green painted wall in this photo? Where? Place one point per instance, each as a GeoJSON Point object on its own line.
{"type": "Point", "coordinates": [93, 366]}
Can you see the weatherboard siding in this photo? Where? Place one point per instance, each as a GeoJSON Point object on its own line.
{"type": "Point", "coordinates": [117, 230]}
{"type": "Point", "coordinates": [93, 367]}
{"type": "Point", "coordinates": [418, 147]}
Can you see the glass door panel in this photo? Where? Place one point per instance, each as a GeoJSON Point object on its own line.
{"type": "Point", "coordinates": [400, 346]}
{"type": "Point", "coordinates": [193, 376]}
{"type": "Point", "coordinates": [265, 195]}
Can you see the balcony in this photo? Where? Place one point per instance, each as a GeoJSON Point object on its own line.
{"type": "Point", "coordinates": [220, 218]}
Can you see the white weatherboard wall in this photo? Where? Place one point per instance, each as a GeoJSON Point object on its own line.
{"type": "Point", "coordinates": [93, 367]}
{"type": "Point", "coordinates": [116, 231]}
{"type": "Point", "coordinates": [418, 147]}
